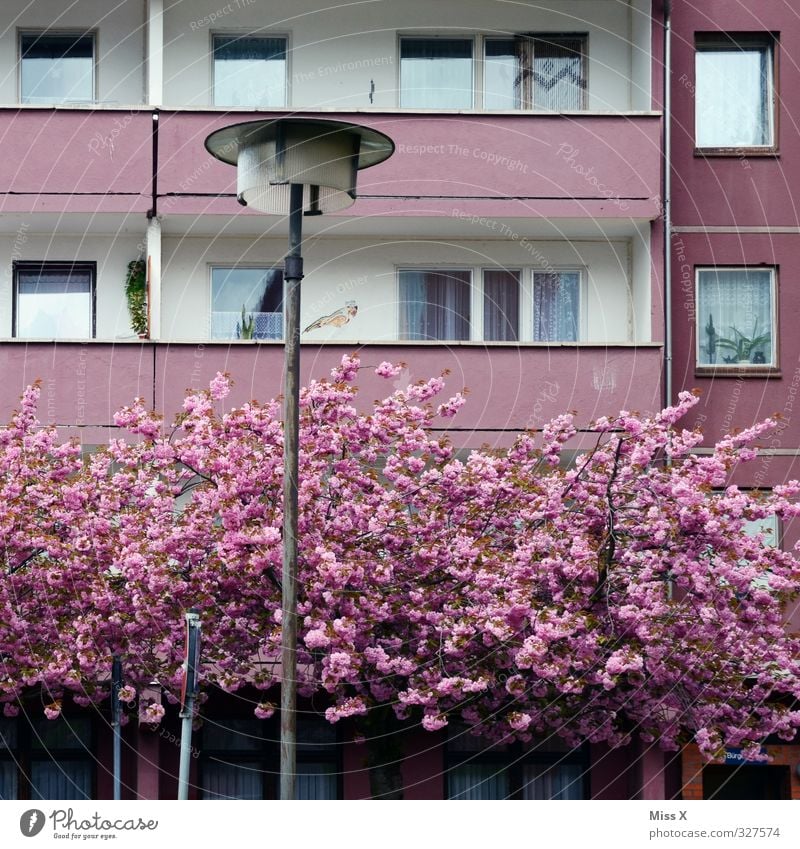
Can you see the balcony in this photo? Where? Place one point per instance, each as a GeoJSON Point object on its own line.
{"type": "Point", "coordinates": [512, 388]}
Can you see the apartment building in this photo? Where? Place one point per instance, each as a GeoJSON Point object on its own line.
{"type": "Point", "coordinates": [516, 237]}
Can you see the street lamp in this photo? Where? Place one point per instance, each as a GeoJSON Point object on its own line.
{"type": "Point", "coordinates": [301, 166]}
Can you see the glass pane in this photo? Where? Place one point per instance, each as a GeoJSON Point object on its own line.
{"type": "Point", "coordinates": [558, 78]}
{"type": "Point", "coordinates": [8, 780]}
{"type": "Point", "coordinates": [246, 303]}
{"type": "Point", "coordinates": [316, 781]}
{"type": "Point", "coordinates": [436, 73]}
{"type": "Point", "coordinates": [62, 733]}
{"type": "Point", "coordinates": [57, 68]}
{"type": "Point", "coordinates": [734, 317]}
{"type": "Point", "coordinates": [233, 734]}
{"type": "Point", "coordinates": [501, 75]}
{"type": "Point", "coordinates": [54, 303]}
{"type": "Point", "coordinates": [477, 781]}
{"type": "Point", "coordinates": [733, 96]}
{"type": "Point", "coordinates": [316, 734]}
{"type": "Point", "coordinates": [61, 780]}
{"type": "Point", "coordinates": [542, 781]}
{"type": "Point", "coordinates": [500, 305]}
{"type": "Point", "coordinates": [8, 733]}
{"type": "Point", "coordinates": [435, 305]}
{"type": "Point", "coordinates": [556, 306]}
{"type": "Point", "coordinates": [232, 781]}
{"type": "Point", "coordinates": [249, 71]}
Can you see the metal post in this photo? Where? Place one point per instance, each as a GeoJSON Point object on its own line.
{"type": "Point", "coordinates": [187, 707]}
{"type": "Point", "coordinates": [293, 274]}
{"type": "Point", "coordinates": [116, 709]}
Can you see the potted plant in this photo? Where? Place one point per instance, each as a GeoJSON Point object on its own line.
{"type": "Point", "coordinates": [743, 348]}
{"type": "Point", "coordinates": [247, 328]}
{"type": "Point", "coordinates": [136, 294]}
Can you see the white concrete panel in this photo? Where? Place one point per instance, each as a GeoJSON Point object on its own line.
{"type": "Point", "coordinates": [346, 55]}
{"type": "Point", "coordinates": [339, 271]}
{"type": "Point", "coordinates": [119, 31]}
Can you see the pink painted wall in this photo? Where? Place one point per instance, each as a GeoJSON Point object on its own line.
{"type": "Point", "coordinates": [579, 159]}
{"type": "Point", "coordinates": [511, 388]}
{"type": "Point", "coordinates": [99, 160]}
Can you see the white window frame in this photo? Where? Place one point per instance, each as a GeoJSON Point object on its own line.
{"type": "Point", "coordinates": [211, 266]}
{"type": "Point", "coordinates": [240, 33]}
{"type": "Point", "coordinates": [454, 36]}
{"type": "Point", "coordinates": [698, 330]}
{"type": "Point", "coordinates": [77, 32]}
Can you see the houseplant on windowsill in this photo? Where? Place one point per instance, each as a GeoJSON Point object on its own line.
{"type": "Point", "coordinates": [136, 295]}
{"type": "Point", "coordinates": [743, 348]}
{"type": "Point", "coordinates": [247, 328]}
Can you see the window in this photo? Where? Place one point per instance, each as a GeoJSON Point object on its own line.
{"type": "Point", "coordinates": [54, 300]}
{"type": "Point", "coordinates": [535, 72]}
{"type": "Point", "coordinates": [542, 769]}
{"type": "Point", "coordinates": [249, 71]}
{"type": "Point", "coordinates": [240, 758]}
{"type": "Point", "coordinates": [557, 306]}
{"type": "Point", "coordinates": [736, 317]}
{"type": "Point", "coordinates": [436, 73]}
{"type": "Point", "coordinates": [56, 67]}
{"type": "Point", "coordinates": [501, 289]}
{"type": "Point", "coordinates": [46, 759]}
{"type": "Point", "coordinates": [246, 303]}
{"type": "Point", "coordinates": [734, 91]}
{"type": "Point", "coordinates": [435, 304]}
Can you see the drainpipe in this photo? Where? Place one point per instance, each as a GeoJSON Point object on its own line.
{"type": "Point", "coordinates": [667, 147]}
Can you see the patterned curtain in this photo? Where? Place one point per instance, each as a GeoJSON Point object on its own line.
{"type": "Point", "coordinates": [558, 74]}
{"type": "Point", "coordinates": [735, 305]}
{"type": "Point", "coordinates": [556, 306]}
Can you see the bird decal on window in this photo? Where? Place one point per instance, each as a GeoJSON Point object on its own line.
{"type": "Point", "coordinates": [335, 319]}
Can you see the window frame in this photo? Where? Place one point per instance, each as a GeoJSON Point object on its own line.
{"type": "Point", "coordinates": [530, 38]}
{"type": "Point", "coordinates": [92, 33]}
{"type": "Point", "coordinates": [267, 753]}
{"type": "Point", "coordinates": [31, 265]}
{"type": "Point", "coordinates": [24, 753]}
{"type": "Point", "coordinates": [512, 760]}
{"type": "Point", "coordinates": [735, 40]}
{"type": "Point", "coordinates": [438, 36]}
{"type": "Point", "coordinates": [739, 369]}
{"type": "Point", "coordinates": [266, 266]}
{"type": "Point", "coordinates": [245, 33]}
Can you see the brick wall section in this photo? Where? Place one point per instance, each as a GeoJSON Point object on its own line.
{"type": "Point", "coordinates": [693, 763]}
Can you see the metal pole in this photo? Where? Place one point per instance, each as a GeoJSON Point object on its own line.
{"type": "Point", "coordinates": [293, 274]}
{"type": "Point", "coordinates": [116, 686]}
{"type": "Point", "coordinates": [187, 713]}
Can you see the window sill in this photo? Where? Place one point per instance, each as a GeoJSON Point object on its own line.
{"type": "Point", "coordinates": [759, 372]}
{"type": "Point", "coordinates": [736, 152]}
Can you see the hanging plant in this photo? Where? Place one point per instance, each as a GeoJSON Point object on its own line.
{"type": "Point", "coordinates": [136, 293]}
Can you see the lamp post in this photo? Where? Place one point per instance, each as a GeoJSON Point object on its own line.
{"type": "Point", "coordinates": [299, 166]}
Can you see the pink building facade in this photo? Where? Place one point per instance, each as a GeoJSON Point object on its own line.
{"type": "Point", "coordinates": [517, 237]}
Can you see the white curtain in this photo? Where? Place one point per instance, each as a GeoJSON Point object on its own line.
{"type": "Point", "coordinates": [556, 306]}
{"type": "Point", "coordinates": [232, 781]}
{"type": "Point", "coordinates": [61, 779]}
{"type": "Point", "coordinates": [542, 781]}
{"type": "Point", "coordinates": [249, 71]}
{"type": "Point", "coordinates": [316, 781]}
{"type": "Point", "coordinates": [732, 303]}
{"type": "Point", "coordinates": [8, 780]}
{"type": "Point", "coordinates": [501, 75]}
{"type": "Point", "coordinates": [478, 781]}
{"type": "Point", "coordinates": [436, 73]}
{"type": "Point", "coordinates": [733, 97]}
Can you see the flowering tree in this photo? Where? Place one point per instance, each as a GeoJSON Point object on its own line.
{"type": "Point", "coordinates": [613, 597]}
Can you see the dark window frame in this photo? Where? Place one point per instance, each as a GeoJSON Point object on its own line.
{"type": "Point", "coordinates": [512, 759]}
{"type": "Point", "coordinates": [708, 41]}
{"type": "Point", "coordinates": [25, 753]}
{"type": "Point", "coordinates": [28, 265]}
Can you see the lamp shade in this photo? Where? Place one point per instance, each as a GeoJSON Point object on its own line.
{"type": "Point", "coordinates": [322, 156]}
